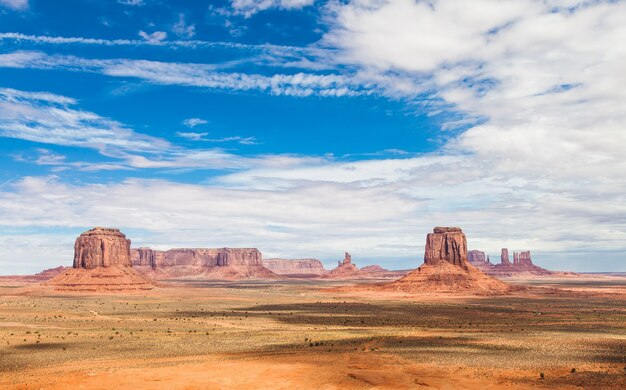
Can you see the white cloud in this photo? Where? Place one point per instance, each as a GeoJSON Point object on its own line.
{"type": "Point", "coordinates": [47, 118]}
{"type": "Point", "coordinates": [182, 29]}
{"type": "Point", "coordinates": [250, 7]}
{"type": "Point", "coordinates": [191, 135]}
{"type": "Point", "coordinates": [51, 119]}
{"type": "Point", "coordinates": [203, 137]}
{"type": "Point", "coordinates": [153, 38]}
{"type": "Point", "coordinates": [197, 75]}
{"type": "Point", "coordinates": [136, 3]}
{"type": "Point", "coordinates": [15, 4]}
{"type": "Point", "coordinates": [193, 122]}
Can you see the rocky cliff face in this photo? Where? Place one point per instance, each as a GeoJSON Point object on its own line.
{"type": "Point", "coordinates": [446, 244]}
{"type": "Point", "coordinates": [295, 266]}
{"type": "Point", "coordinates": [475, 256]}
{"type": "Point", "coordinates": [101, 247]}
{"type": "Point", "coordinates": [219, 262]}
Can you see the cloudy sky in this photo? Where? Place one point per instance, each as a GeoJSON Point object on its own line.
{"type": "Point", "coordinates": [310, 127]}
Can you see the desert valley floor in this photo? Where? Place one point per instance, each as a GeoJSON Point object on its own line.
{"type": "Point", "coordinates": [291, 334]}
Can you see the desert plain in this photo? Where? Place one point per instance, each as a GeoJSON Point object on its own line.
{"type": "Point", "coordinates": [548, 332]}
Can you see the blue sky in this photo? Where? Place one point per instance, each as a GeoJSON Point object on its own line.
{"type": "Point", "coordinates": [306, 128]}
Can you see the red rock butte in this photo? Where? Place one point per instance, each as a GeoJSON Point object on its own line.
{"type": "Point", "coordinates": [446, 268]}
{"type": "Point", "coordinates": [101, 247]}
{"type": "Point", "coordinates": [101, 264]}
{"type": "Point", "coordinates": [446, 244]}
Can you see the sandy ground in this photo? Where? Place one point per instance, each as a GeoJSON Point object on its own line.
{"type": "Point", "coordinates": [306, 334]}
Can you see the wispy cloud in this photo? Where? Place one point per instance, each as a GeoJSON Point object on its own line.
{"type": "Point", "coordinates": [182, 29]}
{"type": "Point", "coordinates": [153, 38]}
{"type": "Point", "coordinates": [135, 3]}
{"type": "Point", "coordinates": [197, 75]}
{"type": "Point", "coordinates": [15, 4]}
{"type": "Point", "coordinates": [47, 118]}
{"type": "Point", "coordinates": [193, 122]}
{"type": "Point", "coordinates": [193, 136]}
{"type": "Point", "coordinates": [250, 7]}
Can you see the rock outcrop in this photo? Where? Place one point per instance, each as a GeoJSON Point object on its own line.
{"type": "Point", "coordinates": [218, 263]}
{"type": "Point", "coordinates": [446, 244]}
{"type": "Point", "coordinates": [345, 269]}
{"type": "Point", "coordinates": [295, 267]}
{"type": "Point", "coordinates": [523, 259]}
{"type": "Point", "coordinates": [101, 247]}
{"type": "Point", "coordinates": [522, 265]}
{"type": "Point", "coordinates": [475, 256]}
{"type": "Point", "coordinates": [504, 256]}
{"type": "Point", "coordinates": [446, 268]}
{"type": "Point", "coordinates": [101, 264]}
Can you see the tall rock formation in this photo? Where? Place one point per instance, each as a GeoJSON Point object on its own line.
{"type": "Point", "coordinates": [101, 247]}
{"type": "Point", "coordinates": [523, 259]}
{"type": "Point", "coordinates": [446, 244]}
{"type": "Point", "coordinates": [446, 269]}
{"type": "Point", "coordinates": [295, 267]}
{"type": "Point", "coordinates": [101, 263]}
{"type": "Point", "coordinates": [345, 268]}
{"type": "Point", "coordinates": [227, 263]}
{"type": "Point", "coordinates": [504, 256]}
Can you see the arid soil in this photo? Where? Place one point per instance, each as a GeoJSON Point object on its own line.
{"type": "Point", "coordinates": [304, 334]}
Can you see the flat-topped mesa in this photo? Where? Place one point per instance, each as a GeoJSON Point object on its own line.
{"type": "Point", "coordinates": [101, 247]}
{"type": "Point", "coordinates": [295, 266]}
{"type": "Point", "coordinates": [230, 263]}
{"type": "Point", "coordinates": [475, 256]}
{"type": "Point", "coordinates": [504, 257]}
{"type": "Point", "coordinates": [239, 257]}
{"type": "Point", "coordinates": [446, 244]}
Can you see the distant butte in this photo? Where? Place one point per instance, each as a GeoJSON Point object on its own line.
{"type": "Point", "coordinates": [446, 268]}
{"type": "Point", "coordinates": [205, 263]}
{"type": "Point", "coordinates": [295, 267]}
{"type": "Point", "coordinates": [522, 265]}
{"type": "Point", "coordinates": [345, 269]}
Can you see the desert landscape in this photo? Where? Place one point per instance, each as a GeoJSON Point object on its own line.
{"type": "Point", "coordinates": [312, 194]}
{"type": "Point", "coordinates": [110, 323]}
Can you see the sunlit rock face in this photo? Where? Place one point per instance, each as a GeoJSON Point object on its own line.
{"type": "Point", "coordinates": [446, 244]}
{"type": "Point", "coordinates": [101, 247]}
